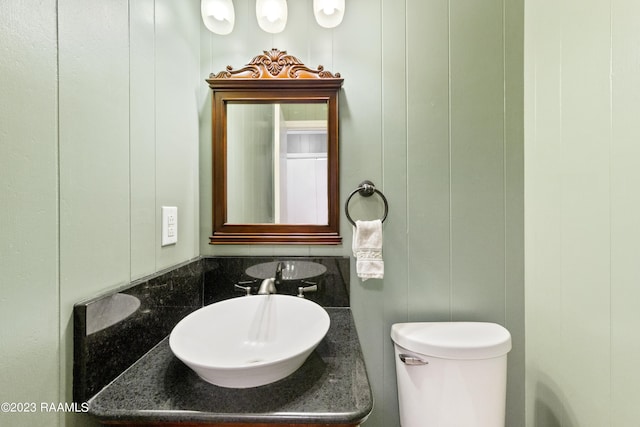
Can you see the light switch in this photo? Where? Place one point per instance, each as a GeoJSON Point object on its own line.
{"type": "Point", "coordinates": [169, 225]}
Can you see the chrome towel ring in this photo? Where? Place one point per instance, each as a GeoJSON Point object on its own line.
{"type": "Point", "coordinates": [366, 189]}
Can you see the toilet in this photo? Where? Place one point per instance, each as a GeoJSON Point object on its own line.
{"type": "Point", "coordinates": [451, 374]}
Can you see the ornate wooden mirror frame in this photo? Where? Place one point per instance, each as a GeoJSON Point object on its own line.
{"type": "Point", "coordinates": [273, 77]}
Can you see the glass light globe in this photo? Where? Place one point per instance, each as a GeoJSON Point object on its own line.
{"type": "Point", "coordinates": [271, 15]}
{"type": "Point", "coordinates": [328, 13]}
{"type": "Point", "coordinates": [218, 15]}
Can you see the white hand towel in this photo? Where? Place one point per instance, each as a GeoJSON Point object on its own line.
{"type": "Point", "coordinates": [367, 249]}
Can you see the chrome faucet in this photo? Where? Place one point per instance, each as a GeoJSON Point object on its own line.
{"type": "Point", "coordinates": [267, 287]}
{"type": "Point", "coordinates": [270, 286]}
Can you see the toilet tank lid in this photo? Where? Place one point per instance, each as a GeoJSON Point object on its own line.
{"type": "Point", "coordinates": [453, 340]}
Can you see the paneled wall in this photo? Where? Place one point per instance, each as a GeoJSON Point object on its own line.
{"type": "Point", "coordinates": [29, 333]}
{"type": "Point", "coordinates": [582, 85]}
{"type": "Point", "coordinates": [99, 129]}
{"type": "Point", "coordinates": [431, 112]}
{"type": "Point", "coordinates": [128, 144]}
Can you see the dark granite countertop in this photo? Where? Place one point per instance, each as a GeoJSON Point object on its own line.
{"type": "Point", "coordinates": [331, 387]}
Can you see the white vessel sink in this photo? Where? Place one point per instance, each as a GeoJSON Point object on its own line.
{"type": "Point", "coordinates": [249, 341]}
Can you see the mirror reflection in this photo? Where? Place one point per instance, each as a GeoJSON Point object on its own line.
{"type": "Point", "coordinates": [277, 157]}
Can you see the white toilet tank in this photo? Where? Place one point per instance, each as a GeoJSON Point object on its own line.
{"type": "Point", "coordinates": [451, 374]}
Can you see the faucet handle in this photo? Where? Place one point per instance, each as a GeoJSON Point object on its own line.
{"type": "Point", "coordinates": [303, 289]}
{"type": "Point", "coordinates": [246, 289]}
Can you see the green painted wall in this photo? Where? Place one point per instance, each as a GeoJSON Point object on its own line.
{"type": "Point", "coordinates": [29, 254]}
{"type": "Point", "coordinates": [250, 132]}
{"type": "Point", "coordinates": [582, 90]}
{"type": "Point", "coordinates": [99, 129]}
{"type": "Point", "coordinates": [431, 112]}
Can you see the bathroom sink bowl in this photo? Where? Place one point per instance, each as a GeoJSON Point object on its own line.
{"type": "Point", "coordinates": [249, 341]}
{"type": "Point", "coordinates": [292, 270]}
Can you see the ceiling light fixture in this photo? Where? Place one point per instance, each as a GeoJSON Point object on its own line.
{"type": "Point", "coordinates": [218, 15]}
{"type": "Point", "coordinates": [272, 15]}
{"type": "Point", "coordinates": [328, 13]}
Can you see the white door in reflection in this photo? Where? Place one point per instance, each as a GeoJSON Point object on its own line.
{"type": "Point", "coordinates": [306, 187]}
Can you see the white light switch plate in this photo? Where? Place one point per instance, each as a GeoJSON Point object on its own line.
{"type": "Point", "coordinates": [169, 225]}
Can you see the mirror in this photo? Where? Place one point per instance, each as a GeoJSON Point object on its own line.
{"type": "Point", "coordinates": [275, 153]}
